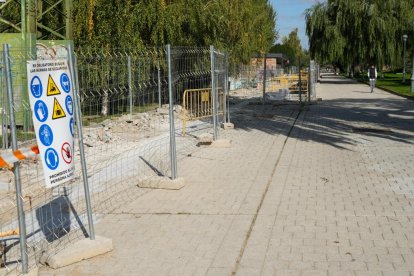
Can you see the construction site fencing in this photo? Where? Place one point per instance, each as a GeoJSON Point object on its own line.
{"type": "Point", "coordinates": [198, 76]}
{"type": "Point", "coordinates": [263, 82]}
{"type": "Point", "coordinates": [132, 106]}
{"type": "Point", "coordinates": [313, 79]}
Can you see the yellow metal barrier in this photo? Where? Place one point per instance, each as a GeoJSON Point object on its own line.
{"type": "Point", "coordinates": [290, 83]}
{"type": "Point", "coordinates": [198, 103]}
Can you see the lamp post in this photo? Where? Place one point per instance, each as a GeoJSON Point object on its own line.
{"type": "Point", "coordinates": [412, 69]}
{"type": "Point", "coordinates": [412, 72]}
{"type": "Point", "coordinates": [405, 42]}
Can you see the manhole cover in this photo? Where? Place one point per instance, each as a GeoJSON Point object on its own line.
{"type": "Point", "coordinates": [371, 130]}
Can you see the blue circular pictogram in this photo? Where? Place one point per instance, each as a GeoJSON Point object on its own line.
{"type": "Point", "coordinates": [41, 111]}
{"type": "Point", "coordinates": [46, 135]}
{"type": "Point", "coordinates": [69, 104]}
{"type": "Point", "coordinates": [36, 87]}
{"type": "Point", "coordinates": [71, 126]}
{"type": "Point", "coordinates": [65, 82]}
{"type": "Point", "coordinates": [51, 158]}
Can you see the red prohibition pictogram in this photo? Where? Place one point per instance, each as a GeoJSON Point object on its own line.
{"type": "Point", "coordinates": [67, 153]}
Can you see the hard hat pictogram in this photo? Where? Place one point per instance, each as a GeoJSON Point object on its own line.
{"type": "Point", "coordinates": [52, 88]}
{"type": "Point", "coordinates": [36, 87]}
{"type": "Point", "coordinates": [58, 111]}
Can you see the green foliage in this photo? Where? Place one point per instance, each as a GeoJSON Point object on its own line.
{"type": "Point", "coordinates": [349, 33]}
{"type": "Point", "coordinates": [286, 50]}
{"type": "Point", "coordinates": [11, 13]}
{"type": "Point", "coordinates": [241, 27]}
{"type": "Point", "coordinates": [292, 41]}
{"type": "Point", "coordinates": [292, 49]}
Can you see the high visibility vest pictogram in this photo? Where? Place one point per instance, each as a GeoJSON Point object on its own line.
{"type": "Point", "coordinates": [52, 88]}
{"type": "Point", "coordinates": [57, 111]}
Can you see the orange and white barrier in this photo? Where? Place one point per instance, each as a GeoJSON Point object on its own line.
{"type": "Point", "coordinates": [8, 159]}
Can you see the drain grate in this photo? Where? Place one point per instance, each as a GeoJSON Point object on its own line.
{"type": "Point", "coordinates": [371, 130]}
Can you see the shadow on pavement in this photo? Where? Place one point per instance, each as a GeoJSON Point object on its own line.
{"type": "Point", "coordinates": [333, 121]}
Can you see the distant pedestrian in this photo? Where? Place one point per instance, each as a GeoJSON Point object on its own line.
{"type": "Point", "coordinates": [372, 75]}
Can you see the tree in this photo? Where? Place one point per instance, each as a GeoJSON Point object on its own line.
{"type": "Point", "coordinates": [360, 32]}
{"type": "Point", "coordinates": [286, 50]}
{"type": "Point", "coordinates": [292, 41]}
{"type": "Point", "coordinates": [241, 27]}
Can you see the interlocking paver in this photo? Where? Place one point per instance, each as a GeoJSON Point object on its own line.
{"type": "Point", "coordinates": [330, 199]}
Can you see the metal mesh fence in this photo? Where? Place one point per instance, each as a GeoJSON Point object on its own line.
{"type": "Point", "coordinates": [125, 120]}
{"type": "Point", "coordinates": [246, 81]}
{"type": "Point", "coordinates": [265, 80]}
{"type": "Point", "coordinates": [18, 57]}
{"type": "Point", "coordinates": [191, 69]}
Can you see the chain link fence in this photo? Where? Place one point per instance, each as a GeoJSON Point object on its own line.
{"type": "Point", "coordinates": [131, 103]}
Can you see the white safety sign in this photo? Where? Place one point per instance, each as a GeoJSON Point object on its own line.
{"type": "Point", "coordinates": [51, 100]}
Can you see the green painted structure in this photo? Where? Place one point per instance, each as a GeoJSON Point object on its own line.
{"type": "Point", "coordinates": [28, 36]}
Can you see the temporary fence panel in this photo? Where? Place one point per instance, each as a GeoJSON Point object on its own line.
{"type": "Point", "coordinates": [219, 68]}
{"type": "Point", "coordinates": [245, 81]}
{"type": "Point", "coordinates": [125, 104]}
{"type": "Point", "coordinates": [18, 57]}
{"type": "Point", "coordinates": [191, 71]}
{"type": "Point", "coordinates": [263, 81]}
{"type": "Point", "coordinates": [124, 99]}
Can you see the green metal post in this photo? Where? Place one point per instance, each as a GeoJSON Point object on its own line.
{"type": "Point", "coordinates": [39, 17]}
{"type": "Point", "coordinates": [31, 16]}
{"type": "Point", "coordinates": [23, 18]}
{"type": "Point", "coordinates": [69, 19]}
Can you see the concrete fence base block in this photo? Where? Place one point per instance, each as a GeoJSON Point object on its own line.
{"type": "Point", "coordinates": [205, 138]}
{"type": "Point", "coordinates": [221, 143]}
{"type": "Point", "coordinates": [78, 251]}
{"type": "Point", "coordinates": [226, 126]}
{"type": "Point", "coordinates": [160, 182]}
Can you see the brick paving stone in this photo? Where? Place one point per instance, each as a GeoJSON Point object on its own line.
{"type": "Point", "coordinates": [336, 197]}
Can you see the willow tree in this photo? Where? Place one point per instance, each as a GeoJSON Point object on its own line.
{"type": "Point", "coordinates": [326, 42]}
{"type": "Point", "coordinates": [239, 26]}
{"type": "Point", "coordinates": [359, 32]}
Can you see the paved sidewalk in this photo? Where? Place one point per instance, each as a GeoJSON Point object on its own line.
{"type": "Point", "coordinates": [327, 191]}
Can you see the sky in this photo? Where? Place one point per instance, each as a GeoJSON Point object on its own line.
{"type": "Point", "coordinates": [290, 15]}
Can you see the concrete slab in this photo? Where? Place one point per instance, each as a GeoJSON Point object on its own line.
{"type": "Point", "coordinates": [159, 182]}
{"type": "Point", "coordinates": [78, 251]}
{"type": "Point", "coordinates": [226, 126]}
{"type": "Point", "coordinates": [293, 196]}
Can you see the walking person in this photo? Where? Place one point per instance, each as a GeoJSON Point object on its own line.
{"type": "Point", "coordinates": [372, 75]}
